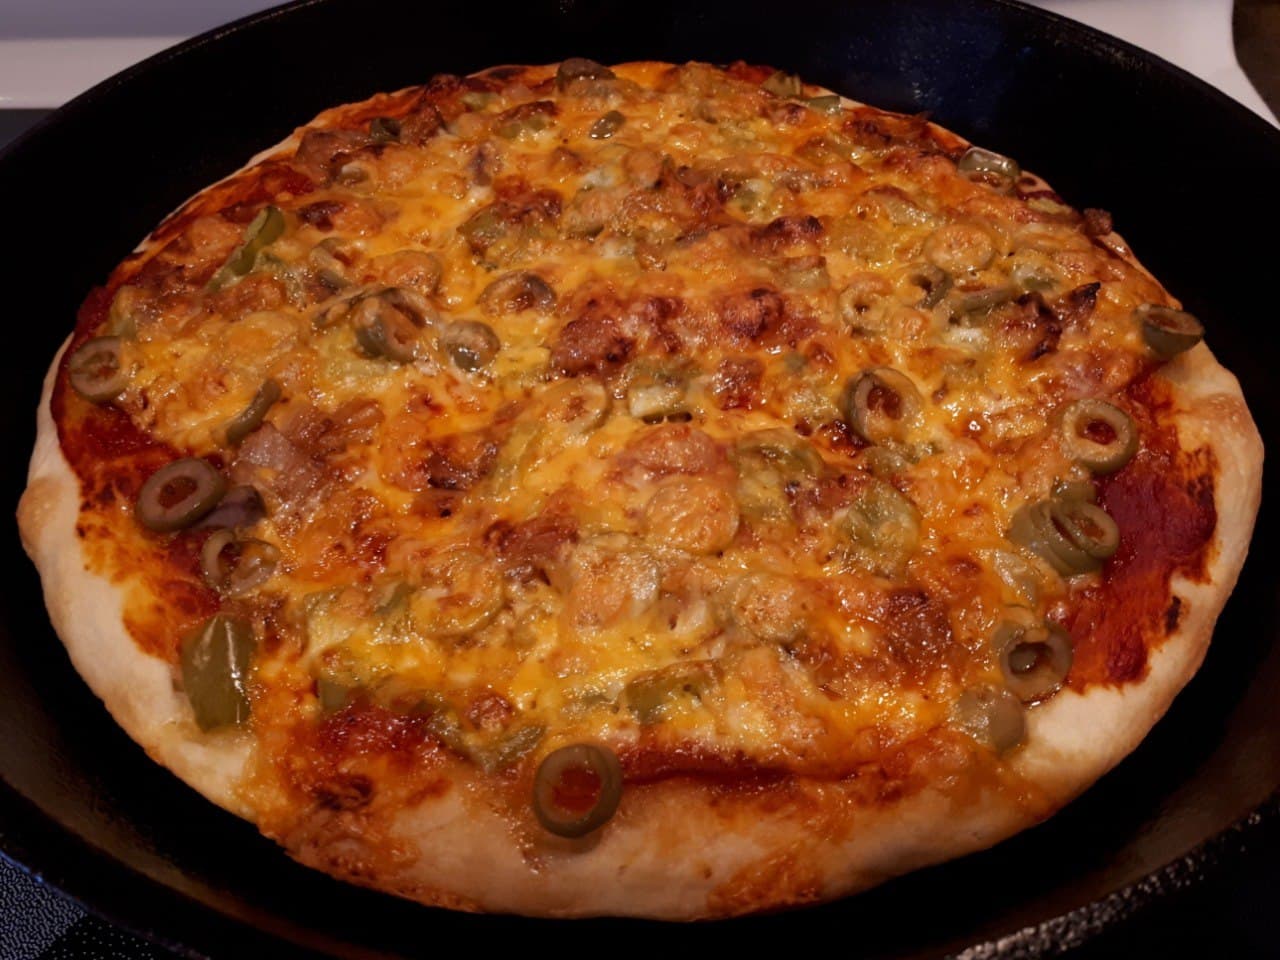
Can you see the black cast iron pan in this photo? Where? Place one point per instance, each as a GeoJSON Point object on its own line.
{"type": "Point", "coordinates": [1189, 175]}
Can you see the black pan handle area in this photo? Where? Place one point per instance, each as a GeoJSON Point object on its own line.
{"type": "Point", "coordinates": [1189, 175]}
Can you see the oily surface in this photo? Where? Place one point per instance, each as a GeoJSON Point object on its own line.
{"type": "Point", "coordinates": [634, 511]}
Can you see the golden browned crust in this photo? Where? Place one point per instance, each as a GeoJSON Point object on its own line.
{"type": "Point", "coordinates": [86, 609]}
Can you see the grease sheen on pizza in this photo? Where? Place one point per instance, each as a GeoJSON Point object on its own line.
{"type": "Point", "coordinates": [662, 490]}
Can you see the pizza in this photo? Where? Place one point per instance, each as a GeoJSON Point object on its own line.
{"type": "Point", "coordinates": [661, 490]}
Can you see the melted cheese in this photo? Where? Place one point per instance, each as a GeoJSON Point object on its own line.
{"type": "Point", "coordinates": [680, 246]}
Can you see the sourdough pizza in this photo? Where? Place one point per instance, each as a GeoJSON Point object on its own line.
{"type": "Point", "coordinates": [673, 491]}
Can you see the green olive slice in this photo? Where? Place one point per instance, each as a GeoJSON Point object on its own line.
{"type": "Point", "coordinates": [935, 283]}
{"type": "Point", "coordinates": [972, 306]}
{"type": "Point", "coordinates": [179, 494]}
{"type": "Point", "coordinates": [517, 291]}
{"type": "Point", "coordinates": [978, 160]}
{"type": "Point", "coordinates": [234, 565]}
{"type": "Point", "coordinates": [470, 344]}
{"type": "Point", "coordinates": [883, 525]}
{"type": "Point", "coordinates": [1075, 490]}
{"type": "Point", "coordinates": [216, 661]}
{"type": "Point", "coordinates": [883, 405]}
{"type": "Point", "coordinates": [1035, 660]}
{"type": "Point", "coordinates": [483, 229]}
{"type": "Point", "coordinates": [507, 750]}
{"type": "Point", "coordinates": [828, 103]}
{"type": "Point", "coordinates": [992, 716]}
{"type": "Point", "coordinates": [386, 324]}
{"type": "Point", "coordinates": [251, 417]}
{"type": "Point", "coordinates": [1098, 435]}
{"type": "Point", "coordinates": [607, 126]}
{"type": "Point", "coordinates": [580, 68]}
{"type": "Point", "coordinates": [577, 789]}
{"type": "Point", "coordinates": [263, 230]}
{"type": "Point", "coordinates": [325, 265]}
{"type": "Point", "coordinates": [477, 99]}
{"type": "Point", "coordinates": [782, 84]}
{"type": "Point", "coordinates": [648, 694]}
{"type": "Point", "coordinates": [1033, 527]}
{"type": "Point", "coordinates": [96, 370]}
{"type": "Point", "coordinates": [1087, 525]}
{"type": "Point", "coordinates": [1168, 332]}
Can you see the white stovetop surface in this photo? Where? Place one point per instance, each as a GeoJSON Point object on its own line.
{"type": "Point", "coordinates": [51, 50]}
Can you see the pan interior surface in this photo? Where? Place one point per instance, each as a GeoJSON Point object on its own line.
{"type": "Point", "coordinates": [1188, 175]}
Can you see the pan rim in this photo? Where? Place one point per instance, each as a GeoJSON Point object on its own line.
{"type": "Point", "coordinates": [1204, 859]}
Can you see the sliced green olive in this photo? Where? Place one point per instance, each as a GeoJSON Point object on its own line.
{"type": "Point", "coordinates": [96, 370]}
{"type": "Point", "coordinates": [179, 494]}
{"type": "Point", "coordinates": [648, 694]}
{"type": "Point", "coordinates": [384, 130]}
{"type": "Point", "coordinates": [607, 126]}
{"type": "Point", "coordinates": [856, 304]}
{"type": "Point", "coordinates": [883, 405]}
{"type": "Point", "coordinates": [1033, 528]}
{"type": "Point", "coordinates": [970, 306]}
{"type": "Point", "coordinates": [1168, 332]}
{"type": "Point", "coordinates": [263, 230]}
{"type": "Point", "coordinates": [385, 324]}
{"type": "Point", "coordinates": [1072, 536]}
{"type": "Point", "coordinates": [782, 448]}
{"type": "Point", "coordinates": [829, 103]}
{"type": "Point", "coordinates": [574, 407]}
{"type": "Point", "coordinates": [977, 160]}
{"type": "Point", "coordinates": [1033, 276]}
{"type": "Point", "coordinates": [470, 344]}
{"type": "Point", "coordinates": [508, 749]}
{"type": "Point", "coordinates": [580, 68]}
{"type": "Point", "coordinates": [655, 400]}
{"type": "Point", "coordinates": [477, 99]}
{"type": "Point", "coordinates": [577, 789]}
{"type": "Point", "coordinates": [992, 716]}
{"type": "Point", "coordinates": [884, 527]}
{"type": "Point", "coordinates": [216, 661]}
{"type": "Point", "coordinates": [657, 391]}
{"type": "Point", "coordinates": [234, 565]}
{"type": "Point", "coordinates": [1098, 435]}
{"type": "Point", "coordinates": [935, 283]}
{"type": "Point", "coordinates": [1088, 526]}
{"type": "Point", "coordinates": [782, 84]}
{"type": "Point", "coordinates": [514, 292]}
{"type": "Point", "coordinates": [251, 417]}
{"type": "Point", "coordinates": [1075, 490]}
{"type": "Point", "coordinates": [769, 463]}
{"type": "Point", "coordinates": [516, 127]}
{"type": "Point", "coordinates": [442, 718]}
{"type": "Point", "coordinates": [387, 338]}
{"type": "Point", "coordinates": [1034, 658]}
{"type": "Point", "coordinates": [483, 229]}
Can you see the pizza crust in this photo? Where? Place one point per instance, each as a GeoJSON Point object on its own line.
{"type": "Point", "coordinates": [1075, 738]}
{"type": "Point", "coordinates": [678, 849]}
{"type": "Point", "coordinates": [87, 611]}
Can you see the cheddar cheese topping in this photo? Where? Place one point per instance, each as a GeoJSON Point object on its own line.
{"type": "Point", "coordinates": [663, 405]}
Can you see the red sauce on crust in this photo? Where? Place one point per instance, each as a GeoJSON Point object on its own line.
{"type": "Point", "coordinates": [1163, 502]}
{"type": "Point", "coordinates": [113, 458]}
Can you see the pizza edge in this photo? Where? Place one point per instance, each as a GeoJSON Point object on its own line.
{"type": "Point", "coordinates": [687, 849]}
